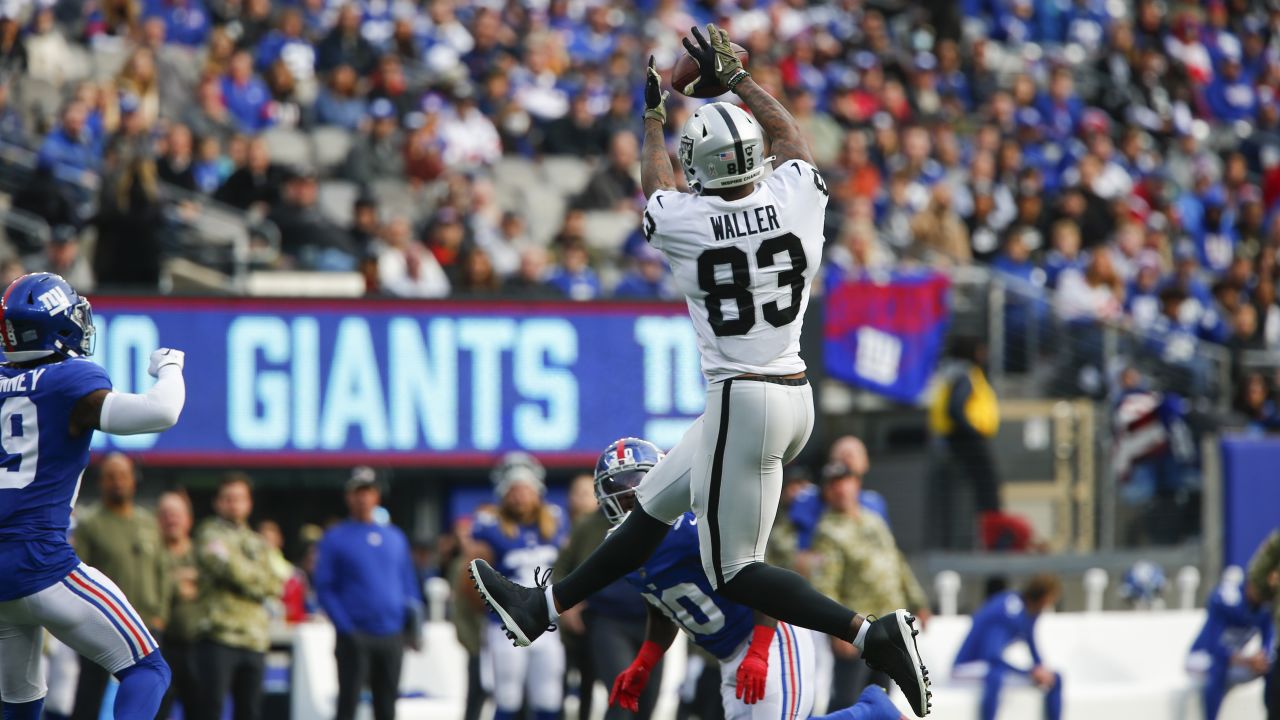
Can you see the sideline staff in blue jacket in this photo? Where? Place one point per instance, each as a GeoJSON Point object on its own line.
{"type": "Point", "coordinates": [365, 582]}
{"type": "Point", "coordinates": [1006, 618]}
{"type": "Point", "coordinates": [1218, 655]}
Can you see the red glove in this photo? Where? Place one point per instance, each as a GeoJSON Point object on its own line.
{"type": "Point", "coordinates": [753, 671]}
{"type": "Point", "coordinates": [630, 683]}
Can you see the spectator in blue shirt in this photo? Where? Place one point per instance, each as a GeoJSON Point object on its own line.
{"type": "Point", "coordinates": [1064, 251]}
{"type": "Point", "coordinates": [574, 276]}
{"type": "Point", "coordinates": [245, 95]}
{"type": "Point", "coordinates": [366, 583]}
{"type": "Point", "coordinates": [1006, 618]}
{"type": "Point", "coordinates": [186, 21]}
{"type": "Point", "coordinates": [1061, 106]}
{"type": "Point", "coordinates": [1230, 95]}
{"type": "Point", "coordinates": [1218, 656]}
{"type": "Point", "coordinates": [289, 44]}
{"type": "Point", "coordinates": [339, 103]}
{"type": "Point", "coordinates": [648, 279]}
{"type": "Point", "coordinates": [70, 148]}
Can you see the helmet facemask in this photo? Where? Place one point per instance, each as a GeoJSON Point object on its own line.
{"type": "Point", "coordinates": [82, 315]}
{"type": "Point", "coordinates": [616, 492]}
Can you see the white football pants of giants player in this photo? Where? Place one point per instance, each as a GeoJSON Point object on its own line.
{"type": "Point", "coordinates": [537, 670]}
{"type": "Point", "coordinates": [790, 688]}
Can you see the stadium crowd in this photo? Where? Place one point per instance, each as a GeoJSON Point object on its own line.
{"type": "Point", "coordinates": [1123, 153]}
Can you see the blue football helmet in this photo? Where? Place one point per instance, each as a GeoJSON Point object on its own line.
{"type": "Point", "coordinates": [43, 315]}
{"type": "Point", "coordinates": [1143, 583]}
{"type": "Point", "coordinates": [619, 471]}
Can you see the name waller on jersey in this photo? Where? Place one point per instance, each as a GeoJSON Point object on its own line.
{"type": "Point", "coordinates": [754, 221]}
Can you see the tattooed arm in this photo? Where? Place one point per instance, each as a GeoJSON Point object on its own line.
{"type": "Point", "coordinates": [655, 164]}
{"type": "Point", "coordinates": [785, 140]}
{"type": "Point", "coordinates": [656, 172]}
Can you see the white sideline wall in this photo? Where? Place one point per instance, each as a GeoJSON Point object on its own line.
{"type": "Point", "coordinates": [1115, 666]}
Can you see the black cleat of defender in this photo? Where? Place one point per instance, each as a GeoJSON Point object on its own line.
{"type": "Point", "coordinates": [890, 647]}
{"type": "Point", "coordinates": [522, 610]}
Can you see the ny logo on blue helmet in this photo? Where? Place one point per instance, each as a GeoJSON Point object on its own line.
{"type": "Point", "coordinates": [43, 315]}
{"type": "Point", "coordinates": [619, 471]}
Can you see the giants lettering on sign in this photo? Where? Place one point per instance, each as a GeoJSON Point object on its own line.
{"type": "Point", "coordinates": [328, 382]}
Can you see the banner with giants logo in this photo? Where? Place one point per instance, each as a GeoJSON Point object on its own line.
{"type": "Point", "coordinates": [886, 333]}
{"type": "Point", "coordinates": [341, 382]}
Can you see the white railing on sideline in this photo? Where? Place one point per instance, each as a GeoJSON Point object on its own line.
{"type": "Point", "coordinates": [1115, 666]}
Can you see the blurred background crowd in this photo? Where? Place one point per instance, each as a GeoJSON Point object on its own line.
{"type": "Point", "coordinates": [1113, 163]}
{"type": "Point", "coordinates": [1123, 151]}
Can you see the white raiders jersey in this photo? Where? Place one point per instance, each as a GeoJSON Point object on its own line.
{"type": "Point", "coordinates": [745, 267]}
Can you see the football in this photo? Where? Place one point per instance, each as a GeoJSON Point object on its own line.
{"type": "Point", "coordinates": [686, 71]}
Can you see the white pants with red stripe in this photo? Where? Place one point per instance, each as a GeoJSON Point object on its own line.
{"type": "Point", "coordinates": [789, 691]}
{"type": "Point", "coordinates": [86, 611]}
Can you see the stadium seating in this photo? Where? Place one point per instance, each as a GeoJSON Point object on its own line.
{"type": "Point", "coordinates": [290, 147]}
{"type": "Point", "coordinates": [329, 147]}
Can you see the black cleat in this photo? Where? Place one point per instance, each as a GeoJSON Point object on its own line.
{"type": "Point", "coordinates": [522, 610]}
{"type": "Point", "coordinates": [890, 647]}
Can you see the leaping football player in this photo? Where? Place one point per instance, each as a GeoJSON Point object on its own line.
{"type": "Point", "coordinates": [744, 249]}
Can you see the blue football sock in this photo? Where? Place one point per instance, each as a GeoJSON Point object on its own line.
{"type": "Point", "coordinates": [546, 715]}
{"type": "Point", "coordinates": [23, 711]}
{"type": "Point", "coordinates": [142, 688]}
{"type": "Point", "coordinates": [1053, 699]}
{"type": "Point", "coordinates": [504, 715]}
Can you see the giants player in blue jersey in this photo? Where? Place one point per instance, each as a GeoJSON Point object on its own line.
{"type": "Point", "coordinates": [766, 667]}
{"type": "Point", "coordinates": [1006, 618]}
{"type": "Point", "coordinates": [520, 539]}
{"type": "Point", "coordinates": [1218, 656]}
{"type": "Point", "coordinates": [52, 398]}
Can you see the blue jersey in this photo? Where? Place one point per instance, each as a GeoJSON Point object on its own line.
{"type": "Point", "coordinates": [997, 624]}
{"type": "Point", "coordinates": [40, 470]}
{"type": "Point", "coordinates": [1231, 623]}
{"type": "Point", "coordinates": [518, 556]}
{"type": "Point", "coordinates": [673, 581]}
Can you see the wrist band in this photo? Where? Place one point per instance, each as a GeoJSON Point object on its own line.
{"type": "Point", "coordinates": [737, 78]}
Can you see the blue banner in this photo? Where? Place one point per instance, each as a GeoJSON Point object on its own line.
{"type": "Point", "coordinates": [1250, 495]}
{"type": "Point", "coordinates": [313, 383]}
{"type": "Point", "coordinates": [885, 334]}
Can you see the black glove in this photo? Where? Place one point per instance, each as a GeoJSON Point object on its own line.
{"type": "Point", "coordinates": [718, 64]}
{"type": "Point", "coordinates": [654, 96]}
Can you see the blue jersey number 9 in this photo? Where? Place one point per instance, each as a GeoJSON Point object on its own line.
{"type": "Point", "coordinates": [19, 442]}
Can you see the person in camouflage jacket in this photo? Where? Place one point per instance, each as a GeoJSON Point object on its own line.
{"type": "Point", "coordinates": [236, 581]}
{"type": "Point", "coordinates": [1264, 586]}
{"type": "Point", "coordinates": [859, 566]}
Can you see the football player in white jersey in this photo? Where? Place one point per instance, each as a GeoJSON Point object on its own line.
{"type": "Point", "coordinates": [744, 248]}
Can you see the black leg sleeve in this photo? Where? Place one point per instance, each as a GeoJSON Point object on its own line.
{"type": "Point", "coordinates": [625, 550]}
{"type": "Point", "coordinates": [784, 595]}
